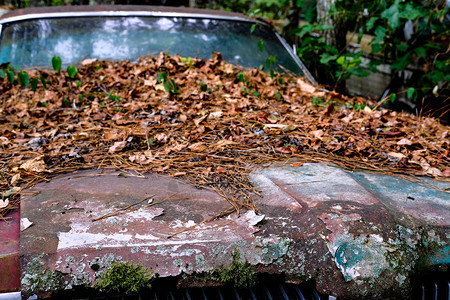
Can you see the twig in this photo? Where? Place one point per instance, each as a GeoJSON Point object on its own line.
{"type": "Point", "coordinates": [121, 209]}
{"type": "Point", "coordinates": [224, 213]}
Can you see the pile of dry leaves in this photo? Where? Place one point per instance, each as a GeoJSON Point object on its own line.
{"type": "Point", "coordinates": [206, 121]}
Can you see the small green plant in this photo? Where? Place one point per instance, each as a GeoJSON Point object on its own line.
{"type": "Point", "coordinates": [43, 104]}
{"type": "Point", "coordinates": [151, 141]}
{"type": "Point", "coordinates": [72, 71]}
{"type": "Point", "coordinates": [392, 97]}
{"type": "Point", "coordinates": [168, 83]}
{"type": "Point", "coordinates": [270, 64]}
{"type": "Point", "coordinates": [280, 81]}
{"type": "Point", "coordinates": [124, 277]}
{"type": "Point", "coordinates": [239, 274]}
{"type": "Point", "coordinates": [261, 45]}
{"type": "Point", "coordinates": [56, 63]}
{"type": "Point", "coordinates": [245, 88]}
{"type": "Point", "coordinates": [241, 77]}
{"type": "Point", "coordinates": [350, 64]}
{"type": "Point", "coordinates": [112, 96]}
{"type": "Point", "coordinates": [317, 101]}
{"type": "Point", "coordinates": [44, 82]}
{"type": "Point", "coordinates": [34, 83]}
{"type": "Point", "coordinates": [204, 87]}
{"type": "Point", "coordinates": [359, 106]}
{"type": "Point", "coordinates": [254, 26]}
{"type": "Point", "coordinates": [412, 93]}
{"type": "Point", "coordinates": [66, 102]}
{"type": "Point", "coordinates": [10, 75]}
{"type": "Point", "coordinates": [188, 61]}
{"type": "Point", "coordinates": [23, 78]}
{"type": "Point", "coordinates": [355, 106]}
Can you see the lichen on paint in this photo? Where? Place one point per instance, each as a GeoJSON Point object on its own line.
{"type": "Point", "coordinates": [271, 248]}
{"type": "Point", "coordinates": [39, 279]}
{"type": "Point", "coordinates": [200, 261]}
{"type": "Point", "coordinates": [79, 279]}
{"type": "Point", "coordinates": [400, 279]}
{"type": "Point", "coordinates": [178, 263]}
{"type": "Point", "coordinates": [112, 220]}
{"type": "Point", "coordinates": [100, 264]}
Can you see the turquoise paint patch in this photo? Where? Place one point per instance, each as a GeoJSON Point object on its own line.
{"type": "Point", "coordinates": [348, 257]}
{"type": "Point", "coordinates": [441, 257]}
{"type": "Point", "coordinates": [360, 258]}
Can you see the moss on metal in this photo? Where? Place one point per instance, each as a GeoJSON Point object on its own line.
{"type": "Point", "coordinates": [239, 274]}
{"type": "Point", "coordinates": [124, 277]}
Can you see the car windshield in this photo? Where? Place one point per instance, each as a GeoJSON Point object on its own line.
{"type": "Point", "coordinates": [33, 43]}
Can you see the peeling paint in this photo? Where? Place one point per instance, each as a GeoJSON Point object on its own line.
{"type": "Point", "coordinates": [359, 257]}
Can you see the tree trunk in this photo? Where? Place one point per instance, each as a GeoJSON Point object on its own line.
{"type": "Point", "coordinates": [336, 36]}
{"type": "Point", "coordinates": [293, 17]}
{"type": "Point", "coordinates": [323, 17]}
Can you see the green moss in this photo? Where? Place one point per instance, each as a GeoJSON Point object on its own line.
{"type": "Point", "coordinates": [124, 277]}
{"type": "Point", "coordinates": [239, 274]}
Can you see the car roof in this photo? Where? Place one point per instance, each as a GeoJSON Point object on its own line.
{"type": "Point", "coordinates": [120, 10]}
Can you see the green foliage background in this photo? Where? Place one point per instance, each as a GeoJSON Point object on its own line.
{"type": "Point", "coordinates": [425, 51]}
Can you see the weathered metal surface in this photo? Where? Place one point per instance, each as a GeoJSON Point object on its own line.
{"type": "Point", "coordinates": [356, 234]}
{"type": "Point", "coordinates": [421, 199]}
{"type": "Point", "coordinates": [373, 233]}
{"type": "Point", "coordinates": [9, 253]}
{"type": "Point", "coordinates": [64, 238]}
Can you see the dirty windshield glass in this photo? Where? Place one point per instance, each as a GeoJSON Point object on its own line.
{"type": "Point", "coordinates": [33, 43]}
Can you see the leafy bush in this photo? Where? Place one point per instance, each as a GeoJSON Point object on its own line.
{"type": "Point", "coordinates": [408, 35]}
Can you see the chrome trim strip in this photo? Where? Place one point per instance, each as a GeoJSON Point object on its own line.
{"type": "Point", "coordinates": [126, 14]}
{"type": "Point", "coordinates": [305, 71]}
{"type": "Point", "coordinates": [1, 32]}
{"type": "Point", "coordinates": [11, 296]}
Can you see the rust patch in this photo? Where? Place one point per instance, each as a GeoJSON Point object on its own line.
{"type": "Point", "coordinates": [9, 253]}
{"type": "Point", "coordinates": [10, 273]}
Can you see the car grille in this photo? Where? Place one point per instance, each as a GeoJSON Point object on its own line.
{"type": "Point", "coordinates": [269, 292]}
